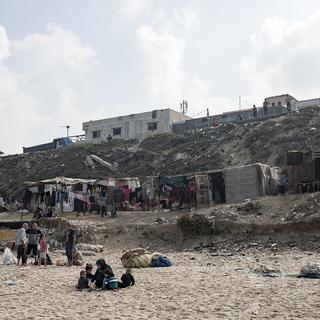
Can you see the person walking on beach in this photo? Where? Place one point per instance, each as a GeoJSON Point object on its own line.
{"type": "Point", "coordinates": [32, 235]}
{"type": "Point", "coordinates": [42, 250]}
{"type": "Point", "coordinates": [21, 241]}
{"type": "Point", "coordinates": [70, 243]}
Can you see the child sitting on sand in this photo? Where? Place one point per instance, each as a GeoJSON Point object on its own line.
{"type": "Point", "coordinates": [83, 282]}
{"type": "Point", "coordinates": [42, 250]}
{"type": "Point", "coordinates": [110, 281]}
{"type": "Point", "coordinates": [89, 268]}
{"type": "Point", "coordinates": [127, 279]}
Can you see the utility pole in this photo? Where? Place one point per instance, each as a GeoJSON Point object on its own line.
{"type": "Point", "coordinates": [68, 128]}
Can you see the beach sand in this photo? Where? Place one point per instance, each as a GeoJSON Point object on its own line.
{"type": "Point", "coordinates": [198, 286]}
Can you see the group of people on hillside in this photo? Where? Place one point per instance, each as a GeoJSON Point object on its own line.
{"type": "Point", "coordinates": [103, 278]}
{"type": "Point", "coordinates": [30, 240]}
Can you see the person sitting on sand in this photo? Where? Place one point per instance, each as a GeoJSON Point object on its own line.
{"type": "Point", "coordinates": [42, 250]}
{"type": "Point", "coordinates": [110, 281]}
{"type": "Point", "coordinates": [89, 268]}
{"type": "Point", "coordinates": [77, 259]}
{"type": "Point", "coordinates": [98, 277]}
{"type": "Point", "coordinates": [127, 279]}
{"type": "Point", "coordinates": [83, 282]}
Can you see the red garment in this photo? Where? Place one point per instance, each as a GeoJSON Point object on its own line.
{"type": "Point", "coordinates": [126, 195]}
{"type": "Point", "coordinates": [43, 246]}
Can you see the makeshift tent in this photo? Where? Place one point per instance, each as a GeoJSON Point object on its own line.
{"type": "Point", "coordinates": [250, 182]}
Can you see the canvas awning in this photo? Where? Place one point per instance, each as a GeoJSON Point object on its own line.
{"type": "Point", "coordinates": [59, 180]}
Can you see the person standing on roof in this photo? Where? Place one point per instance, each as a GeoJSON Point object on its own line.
{"type": "Point", "coordinates": [255, 114]}
{"type": "Point", "coordinates": [265, 107]}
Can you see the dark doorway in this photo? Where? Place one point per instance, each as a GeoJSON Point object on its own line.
{"type": "Point", "coordinates": [317, 169]}
{"type": "Point", "coordinates": [218, 188]}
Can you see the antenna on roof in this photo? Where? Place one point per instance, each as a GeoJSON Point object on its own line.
{"type": "Point", "coordinates": [68, 128]}
{"type": "Point", "coordinates": [184, 106]}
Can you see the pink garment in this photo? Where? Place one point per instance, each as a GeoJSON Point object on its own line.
{"type": "Point", "coordinates": [43, 246]}
{"type": "Point", "coordinates": [126, 195]}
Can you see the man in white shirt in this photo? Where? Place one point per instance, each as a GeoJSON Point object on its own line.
{"type": "Point", "coordinates": [21, 241]}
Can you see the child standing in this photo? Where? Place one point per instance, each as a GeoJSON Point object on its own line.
{"type": "Point", "coordinates": [42, 250]}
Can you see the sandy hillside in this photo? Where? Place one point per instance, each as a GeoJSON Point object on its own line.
{"type": "Point", "coordinates": [197, 287]}
{"type": "Point", "coordinates": [169, 154]}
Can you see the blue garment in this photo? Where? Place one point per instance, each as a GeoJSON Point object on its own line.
{"type": "Point", "coordinates": [282, 181]}
{"type": "Point", "coordinates": [160, 261]}
{"type": "Point", "coordinates": [110, 283]}
{"type": "Point", "coordinates": [69, 249]}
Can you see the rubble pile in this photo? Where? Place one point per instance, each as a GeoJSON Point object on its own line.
{"type": "Point", "coordinates": [194, 151]}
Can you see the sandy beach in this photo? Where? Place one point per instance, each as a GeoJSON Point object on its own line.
{"type": "Point", "coordinates": [198, 286]}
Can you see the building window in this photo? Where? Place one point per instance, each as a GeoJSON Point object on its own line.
{"type": "Point", "coordinates": [279, 103]}
{"type": "Point", "coordinates": [204, 120]}
{"type": "Point", "coordinates": [96, 134]}
{"type": "Point", "coordinates": [273, 104]}
{"type": "Point", "coordinates": [152, 126]}
{"type": "Point", "coordinates": [154, 114]}
{"type": "Point", "coordinates": [116, 131]}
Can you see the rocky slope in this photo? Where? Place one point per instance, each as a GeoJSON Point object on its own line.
{"type": "Point", "coordinates": [196, 151]}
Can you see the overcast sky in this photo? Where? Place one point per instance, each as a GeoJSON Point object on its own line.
{"type": "Point", "coordinates": [68, 61]}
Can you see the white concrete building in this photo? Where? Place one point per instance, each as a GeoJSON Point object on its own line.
{"type": "Point", "coordinates": [135, 126]}
{"type": "Point", "coordinates": [282, 100]}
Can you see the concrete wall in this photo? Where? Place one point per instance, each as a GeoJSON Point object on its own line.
{"type": "Point", "coordinates": [308, 103]}
{"type": "Point", "coordinates": [241, 183]}
{"type": "Point", "coordinates": [135, 126]}
{"type": "Point", "coordinates": [246, 115]}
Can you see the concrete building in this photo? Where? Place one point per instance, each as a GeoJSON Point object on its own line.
{"type": "Point", "coordinates": [135, 126]}
{"type": "Point", "coordinates": [308, 103]}
{"type": "Point", "coordinates": [282, 100]}
{"type": "Point", "coordinates": [274, 106]}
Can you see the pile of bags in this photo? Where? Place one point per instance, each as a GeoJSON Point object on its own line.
{"type": "Point", "coordinates": [142, 258]}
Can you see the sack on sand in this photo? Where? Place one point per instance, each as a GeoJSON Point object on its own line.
{"type": "Point", "coordinates": [160, 261]}
{"type": "Point", "coordinates": [60, 263]}
{"type": "Point", "coordinates": [89, 247]}
{"type": "Point", "coordinates": [8, 257]}
{"type": "Point", "coordinates": [137, 258]}
{"type": "Point", "coordinates": [88, 253]}
{"type": "Point", "coordinates": [311, 271]}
